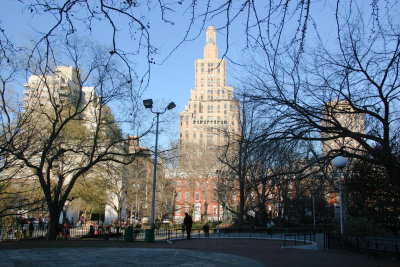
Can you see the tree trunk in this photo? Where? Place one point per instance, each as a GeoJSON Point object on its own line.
{"type": "Point", "coordinates": [262, 214]}
{"type": "Point", "coordinates": [242, 200]}
{"type": "Point", "coordinates": [53, 224]}
{"type": "Point", "coordinates": [205, 217]}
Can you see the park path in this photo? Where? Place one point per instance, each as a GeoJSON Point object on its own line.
{"type": "Point", "coordinates": [266, 252]}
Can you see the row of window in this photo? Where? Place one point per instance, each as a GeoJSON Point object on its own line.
{"type": "Point", "coordinates": [197, 195]}
{"type": "Point", "coordinates": [209, 81]}
{"type": "Point", "coordinates": [208, 122]}
{"type": "Point", "coordinates": [179, 210]}
{"type": "Point", "coordinates": [188, 184]}
{"type": "Point", "coordinates": [210, 108]}
{"type": "Point", "coordinates": [211, 97]}
{"type": "Point", "coordinates": [209, 142]}
{"type": "Point", "coordinates": [187, 196]}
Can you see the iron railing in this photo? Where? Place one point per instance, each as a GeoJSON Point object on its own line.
{"type": "Point", "coordinates": [113, 233]}
{"type": "Point", "coordinates": [371, 246]}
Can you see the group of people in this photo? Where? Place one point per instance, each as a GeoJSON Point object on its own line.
{"type": "Point", "coordinates": [187, 225]}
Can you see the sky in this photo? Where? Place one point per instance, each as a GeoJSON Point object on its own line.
{"type": "Point", "coordinates": [171, 80]}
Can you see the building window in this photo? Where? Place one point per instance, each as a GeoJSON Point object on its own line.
{"type": "Point", "coordinates": [178, 184]}
{"type": "Point", "coordinates": [215, 210]}
{"type": "Point", "coordinates": [197, 196]}
{"type": "Point", "coordinates": [187, 196]}
{"type": "Point", "coordinates": [178, 196]}
{"type": "Point", "coordinates": [186, 209]}
{"type": "Point", "coordinates": [197, 185]}
{"type": "Point", "coordinates": [215, 185]}
{"type": "Point", "coordinates": [178, 209]}
{"type": "Point", "coordinates": [215, 196]}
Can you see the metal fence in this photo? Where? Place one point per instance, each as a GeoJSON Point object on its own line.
{"type": "Point", "coordinates": [113, 233]}
{"type": "Point", "coordinates": [371, 246]}
{"type": "Point", "coordinates": [40, 232]}
{"type": "Point", "coordinates": [296, 238]}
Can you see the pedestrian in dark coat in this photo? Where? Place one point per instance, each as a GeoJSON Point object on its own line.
{"type": "Point", "coordinates": [206, 230]}
{"type": "Point", "coordinates": [188, 222]}
{"type": "Point", "coordinates": [31, 229]}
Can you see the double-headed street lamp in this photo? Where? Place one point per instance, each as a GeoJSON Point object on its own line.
{"type": "Point", "coordinates": [148, 103]}
{"type": "Point", "coordinates": [340, 163]}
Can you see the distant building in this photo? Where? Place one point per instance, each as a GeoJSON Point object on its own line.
{"type": "Point", "coordinates": [62, 91]}
{"type": "Point", "coordinates": [339, 114]}
{"type": "Point", "coordinates": [212, 111]}
{"type": "Point", "coordinates": [336, 116]}
{"type": "Point", "coordinates": [44, 95]}
{"type": "Point", "coordinates": [212, 114]}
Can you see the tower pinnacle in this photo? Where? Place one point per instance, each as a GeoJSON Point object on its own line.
{"type": "Point", "coordinates": [210, 49]}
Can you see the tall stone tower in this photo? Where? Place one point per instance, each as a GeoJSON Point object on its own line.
{"type": "Point", "coordinates": [340, 113]}
{"type": "Point", "coordinates": [211, 114]}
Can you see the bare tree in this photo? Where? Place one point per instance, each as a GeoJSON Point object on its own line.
{"type": "Point", "coordinates": [306, 87]}
{"type": "Point", "coordinates": [370, 194]}
{"type": "Point", "coordinates": [236, 155]}
{"type": "Point", "coordinates": [67, 128]}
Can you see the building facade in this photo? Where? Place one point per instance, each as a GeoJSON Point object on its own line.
{"type": "Point", "coordinates": [337, 115]}
{"type": "Point", "coordinates": [211, 115]}
{"type": "Point", "coordinates": [212, 111]}
{"type": "Point", "coordinates": [340, 114]}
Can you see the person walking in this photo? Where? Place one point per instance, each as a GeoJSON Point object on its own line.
{"type": "Point", "coordinates": [188, 222]}
{"type": "Point", "coordinates": [65, 231]}
{"type": "Point", "coordinates": [31, 228]}
{"type": "Point", "coordinates": [206, 230]}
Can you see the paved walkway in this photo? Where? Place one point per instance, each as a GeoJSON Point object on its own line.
{"type": "Point", "coordinates": [119, 257]}
{"type": "Point", "coordinates": [195, 252]}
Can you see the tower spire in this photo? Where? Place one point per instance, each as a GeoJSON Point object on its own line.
{"type": "Point", "coordinates": [210, 49]}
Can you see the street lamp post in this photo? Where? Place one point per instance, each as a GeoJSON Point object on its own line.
{"type": "Point", "coordinates": [340, 163]}
{"type": "Point", "coordinates": [313, 209]}
{"type": "Point", "coordinates": [136, 209]}
{"type": "Point", "coordinates": [225, 206]}
{"type": "Point", "coordinates": [148, 103]}
{"type": "Point", "coordinates": [218, 173]}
